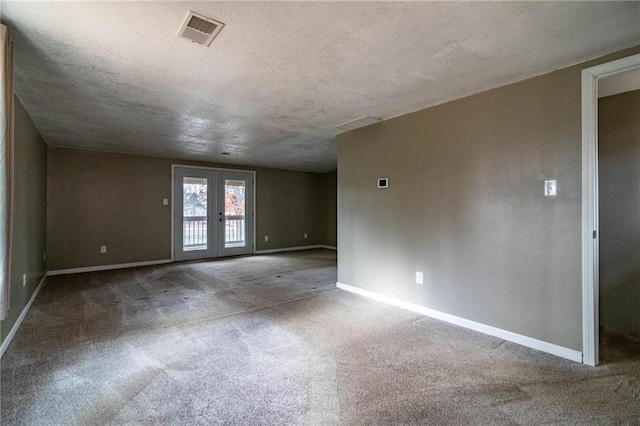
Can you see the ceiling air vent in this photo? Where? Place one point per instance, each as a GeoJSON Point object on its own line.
{"type": "Point", "coordinates": [199, 28]}
{"type": "Point", "coordinates": [357, 123]}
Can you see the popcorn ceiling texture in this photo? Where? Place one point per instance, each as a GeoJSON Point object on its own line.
{"type": "Point", "coordinates": [113, 76]}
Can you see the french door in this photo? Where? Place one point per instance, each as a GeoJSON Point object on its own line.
{"type": "Point", "coordinates": [213, 213]}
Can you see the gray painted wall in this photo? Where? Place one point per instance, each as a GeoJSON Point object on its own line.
{"type": "Point", "coordinates": [465, 206]}
{"type": "Point", "coordinates": [29, 220]}
{"type": "Point", "coordinates": [619, 179]}
{"type": "Point", "coordinates": [288, 205]}
{"type": "Point", "coordinates": [116, 200]}
{"type": "Point", "coordinates": [328, 201]}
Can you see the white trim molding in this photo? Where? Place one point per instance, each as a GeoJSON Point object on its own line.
{"type": "Point", "coordinates": [107, 267]}
{"type": "Point", "coordinates": [530, 342]}
{"type": "Point", "coordinates": [173, 211]}
{"type": "Point", "coordinates": [590, 209]}
{"type": "Point", "coordinates": [278, 250]}
{"type": "Point", "coordinates": [23, 314]}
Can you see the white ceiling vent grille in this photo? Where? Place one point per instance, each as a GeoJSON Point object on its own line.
{"type": "Point", "coordinates": [357, 123]}
{"type": "Point", "coordinates": [199, 28]}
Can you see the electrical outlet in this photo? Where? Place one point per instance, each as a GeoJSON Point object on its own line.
{"type": "Point", "coordinates": [305, 235]}
{"type": "Point", "coordinates": [419, 278]}
{"type": "Point", "coordinates": [266, 238]}
{"type": "Point", "coordinates": [24, 280]}
{"type": "Point", "coordinates": [103, 249]}
{"type": "Point", "coordinates": [165, 201]}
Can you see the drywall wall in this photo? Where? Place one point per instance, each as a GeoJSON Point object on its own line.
{"type": "Point", "coordinates": [99, 199]}
{"type": "Point", "coordinates": [328, 201]}
{"type": "Point", "coordinates": [104, 199]}
{"type": "Point", "coordinates": [619, 184]}
{"type": "Point", "coordinates": [29, 214]}
{"type": "Point", "coordinates": [288, 206]}
{"type": "Point", "coordinates": [466, 207]}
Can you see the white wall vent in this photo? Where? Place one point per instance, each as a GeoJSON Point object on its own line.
{"type": "Point", "coordinates": [199, 28]}
{"type": "Point", "coordinates": [357, 123]}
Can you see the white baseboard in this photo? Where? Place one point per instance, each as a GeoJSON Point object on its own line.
{"type": "Point", "coordinates": [278, 250]}
{"type": "Point", "coordinates": [530, 342]}
{"type": "Point", "coordinates": [14, 329]}
{"type": "Point", "coordinates": [107, 267]}
{"type": "Point", "coordinates": [329, 247]}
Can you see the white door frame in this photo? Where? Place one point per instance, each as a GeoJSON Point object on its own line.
{"type": "Point", "coordinates": [590, 235]}
{"type": "Point", "coordinates": [217, 169]}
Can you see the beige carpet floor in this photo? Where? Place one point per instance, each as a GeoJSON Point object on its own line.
{"type": "Point", "coordinates": [269, 340]}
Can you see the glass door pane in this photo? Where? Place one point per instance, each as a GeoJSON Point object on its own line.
{"type": "Point", "coordinates": [194, 210]}
{"type": "Point", "coordinates": [234, 213]}
{"type": "Point", "coordinates": [194, 219]}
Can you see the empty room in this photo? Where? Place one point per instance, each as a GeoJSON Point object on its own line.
{"type": "Point", "coordinates": [320, 213]}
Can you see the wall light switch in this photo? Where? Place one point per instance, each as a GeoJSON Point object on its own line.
{"type": "Point", "coordinates": [305, 235]}
{"type": "Point", "coordinates": [550, 188]}
{"type": "Point", "coordinates": [24, 280]}
{"type": "Point", "coordinates": [266, 238]}
{"type": "Point", "coordinates": [103, 249]}
{"type": "Point", "coordinates": [419, 278]}
{"type": "Point", "coordinates": [165, 201]}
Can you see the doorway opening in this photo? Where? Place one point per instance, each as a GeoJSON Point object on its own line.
{"type": "Point", "coordinates": [590, 201]}
{"type": "Point", "coordinates": [212, 212]}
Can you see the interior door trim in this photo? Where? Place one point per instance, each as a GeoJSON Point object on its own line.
{"type": "Point", "coordinates": [217, 169]}
{"type": "Point", "coordinates": [590, 206]}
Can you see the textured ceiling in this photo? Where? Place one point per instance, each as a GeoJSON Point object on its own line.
{"type": "Point", "coordinates": [114, 77]}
